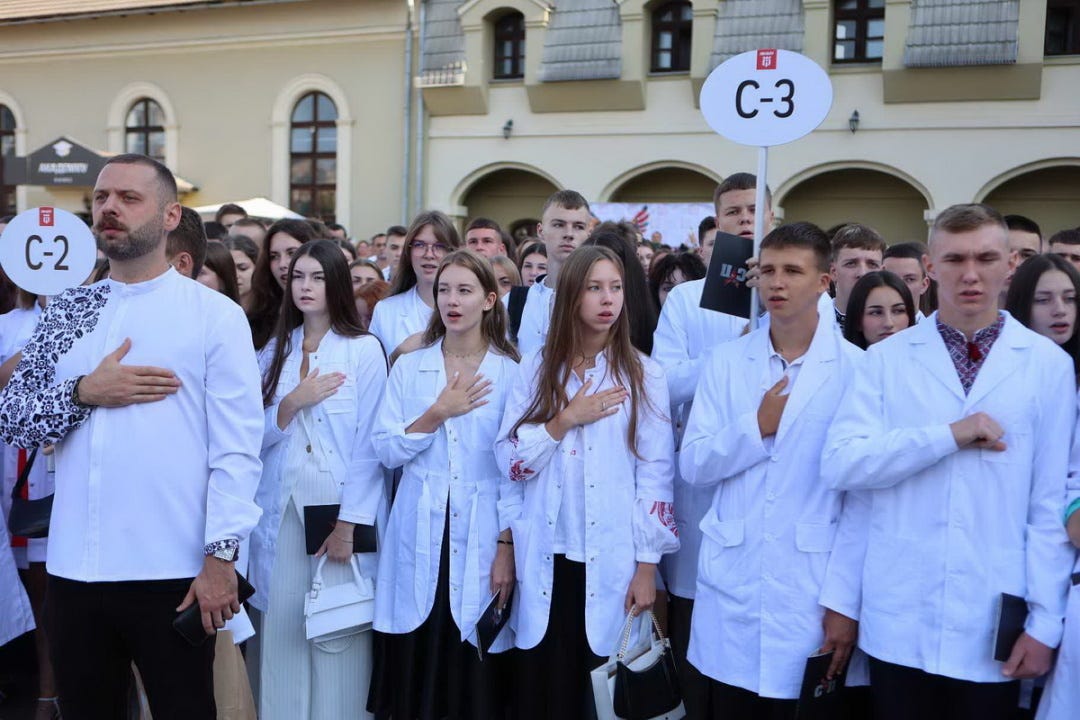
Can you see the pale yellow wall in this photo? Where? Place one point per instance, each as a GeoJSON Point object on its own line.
{"type": "Point", "coordinates": [222, 69]}
{"type": "Point", "coordinates": [507, 196]}
{"type": "Point", "coordinates": [673, 185]}
{"type": "Point", "coordinates": [1049, 197]}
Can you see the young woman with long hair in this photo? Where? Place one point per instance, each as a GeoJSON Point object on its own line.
{"type": "Point", "coordinates": [219, 271]}
{"type": "Point", "coordinates": [673, 270]}
{"type": "Point", "coordinates": [880, 305]}
{"type": "Point", "coordinates": [447, 553]}
{"type": "Point", "coordinates": [1043, 297]}
{"type": "Point", "coordinates": [640, 310]}
{"type": "Point", "coordinates": [322, 390]}
{"type": "Point", "coordinates": [532, 262]}
{"type": "Point", "coordinates": [245, 255]}
{"type": "Point", "coordinates": [271, 275]}
{"type": "Point", "coordinates": [587, 445]}
{"type": "Point", "coordinates": [412, 298]}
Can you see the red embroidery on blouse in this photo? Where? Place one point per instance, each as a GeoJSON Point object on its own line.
{"type": "Point", "coordinates": [665, 513]}
{"type": "Point", "coordinates": [518, 471]}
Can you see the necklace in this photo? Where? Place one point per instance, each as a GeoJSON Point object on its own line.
{"type": "Point", "coordinates": [463, 356]}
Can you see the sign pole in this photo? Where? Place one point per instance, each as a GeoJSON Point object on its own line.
{"type": "Point", "coordinates": [760, 203]}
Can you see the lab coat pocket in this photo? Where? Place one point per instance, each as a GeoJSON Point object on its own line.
{"type": "Point", "coordinates": [719, 559]}
{"type": "Point", "coordinates": [343, 401]}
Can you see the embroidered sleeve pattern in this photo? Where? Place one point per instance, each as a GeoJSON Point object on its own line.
{"type": "Point", "coordinates": [665, 513]}
{"type": "Point", "coordinates": [33, 410]}
{"type": "Point", "coordinates": [211, 548]}
{"type": "Point", "coordinates": [518, 471]}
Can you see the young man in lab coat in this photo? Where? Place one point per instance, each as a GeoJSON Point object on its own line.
{"type": "Point", "coordinates": [684, 336]}
{"type": "Point", "coordinates": [771, 552]}
{"type": "Point", "coordinates": [856, 250]}
{"type": "Point", "coordinates": [959, 427]}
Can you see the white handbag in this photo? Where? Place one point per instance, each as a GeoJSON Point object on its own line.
{"type": "Point", "coordinates": [649, 650]}
{"type": "Point", "coordinates": [339, 610]}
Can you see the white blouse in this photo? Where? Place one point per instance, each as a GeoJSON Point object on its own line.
{"type": "Point", "coordinates": [628, 511]}
{"type": "Point", "coordinates": [454, 465]}
{"type": "Point", "coordinates": [399, 316]}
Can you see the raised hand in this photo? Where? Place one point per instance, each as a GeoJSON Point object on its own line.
{"type": "Point", "coordinates": [461, 395]}
{"type": "Point", "coordinates": [978, 430]}
{"type": "Point", "coordinates": [772, 408]}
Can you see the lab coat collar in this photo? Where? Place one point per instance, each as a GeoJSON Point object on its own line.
{"type": "Point", "coordinates": [817, 364]}
{"type": "Point", "coordinates": [1002, 361]}
{"type": "Point", "coordinates": [431, 360]}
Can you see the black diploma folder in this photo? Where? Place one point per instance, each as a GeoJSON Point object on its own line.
{"type": "Point", "coordinates": [725, 288]}
{"type": "Point", "coordinates": [821, 698]}
{"type": "Point", "coordinates": [1012, 614]}
{"type": "Point", "coordinates": [491, 622]}
{"type": "Point", "coordinates": [319, 521]}
{"type": "Point", "coordinates": [189, 622]}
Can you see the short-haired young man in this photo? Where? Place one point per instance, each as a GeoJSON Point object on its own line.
{"type": "Point", "coordinates": [776, 580]}
{"type": "Point", "coordinates": [485, 237]}
{"type": "Point", "coordinates": [1025, 237]}
{"type": "Point", "coordinates": [393, 244]}
{"type": "Point", "coordinates": [905, 260]}
{"type": "Point", "coordinates": [1066, 243]}
{"type": "Point", "coordinates": [685, 334]}
{"type": "Point", "coordinates": [706, 238]}
{"type": "Point", "coordinates": [856, 250]}
{"type": "Point", "coordinates": [564, 225]}
{"type": "Point", "coordinates": [156, 413]}
{"type": "Point", "coordinates": [250, 227]}
{"type": "Point", "coordinates": [185, 246]}
{"type": "Point", "coordinates": [228, 214]}
{"type": "Point", "coordinates": [956, 428]}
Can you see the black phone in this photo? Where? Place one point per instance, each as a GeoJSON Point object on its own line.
{"type": "Point", "coordinates": [189, 622]}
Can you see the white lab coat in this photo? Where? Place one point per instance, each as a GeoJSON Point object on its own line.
{"type": "Point", "coordinates": [457, 461]}
{"type": "Point", "coordinates": [344, 422]}
{"type": "Point", "coordinates": [684, 335]}
{"type": "Point", "coordinates": [16, 617]}
{"type": "Point", "coordinates": [771, 552]}
{"type": "Point", "coordinates": [628, 509]}
{"type": "Point", "coordinates": [950, 530]}
{"type": "Point", "coordinates": [535, 316]}
{"type": "Point", "coordinates": [399, 316]}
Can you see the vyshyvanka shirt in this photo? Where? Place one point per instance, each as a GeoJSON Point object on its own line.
{"type": "Point", "coordinates": [141, 490]}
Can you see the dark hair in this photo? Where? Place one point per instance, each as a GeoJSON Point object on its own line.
{"type": "Point", "coordinates": [220, 260]}
{"type": "Point", "coordinates": [1021, 295]}
{"type": "Point", "coordinates": [364, 262]}
{"type": "Point", "coordinates": [229, 209]}
{"type": "Point", "coordinates": [215, 230]}
{"type": "Point", "coordinates": [909, 251]}
{"type": "Point", "coordinates": [691, 266]}
{"type": "Point", "coordinates": [738, 181]}
{"type": "Point", "coordinates": [801, 235]}
{"type": "Point", "coordinates": [1065, 237]}
{"type": "Point", "coordinates": [493, 324]}
{"type": "Point", "coordinates": [244, 244]}
{"type": "Point", "coordinates": [569, 199]}
{"type": "Point", "coordinates": [965, 218]}
{"type": "Point", "coordinates": [858, 237]}
{"type": "Point", "coordinates": [404, 276]}
{"type": "Point", "coordinates": [337, 226]}
{"type": "Point", "coordinates": [563, 345]}
{"type": "Point", "coordinates": [166, 181]}
{"type": "Point", "coordinates": [857, 303]}
{"type": "Point", "coordinates": [250, 222]}
{"type": "Point", "coordinates": [707, 223]}
{"type": "Point", "coordinates": [346, 246]}
{"type": "Point", "coordinates": [393, 230]}
{"type": "Point", "coordinates": [265, 291]}
{"type": "Point", "coordinates": [483, 223]}
{"type": "Point", "coordinates": [344, 319]}
{"type": "Point", "coordinates": [188, 236]}
{"type": "Point", "coordinates": [6, 219]}
{"type": "Point", "coordinates": [1023, 224]}
{"type": "Point", "coordinates": [642, 313]}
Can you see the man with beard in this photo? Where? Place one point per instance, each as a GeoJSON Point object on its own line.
{"type": "Point", "coordinates": [155, 412]}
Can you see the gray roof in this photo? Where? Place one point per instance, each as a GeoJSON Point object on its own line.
{"type": "Point", "coordinates": [744, 25]}
{"type": "Point", "coordinates": [962, 32]}
{"type": "Point", "coordinates": [443, 61]}
{"type": "Point", "coordinates": [583, 42]}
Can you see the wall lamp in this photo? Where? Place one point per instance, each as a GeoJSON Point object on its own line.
{"type": "Point", "coordinates": [853, 121]}
{"type": "Point", "coordinates": [507, 129]}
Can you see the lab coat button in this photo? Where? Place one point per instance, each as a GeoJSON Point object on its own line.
{"type": "Point", "coordinates": [774, 458]}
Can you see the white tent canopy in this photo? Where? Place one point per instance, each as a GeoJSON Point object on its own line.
{"type": "Point", "coordinates": [258, 207]}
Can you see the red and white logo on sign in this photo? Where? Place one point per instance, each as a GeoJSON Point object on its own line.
{"type": "Point", "coordinates": [766, 59]}
{"type": "Point", "coordinates": [45, 217]}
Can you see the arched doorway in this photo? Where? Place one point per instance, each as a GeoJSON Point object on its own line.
{"type": "Point", "coordinates": [666, 185]}
{"type": "Point", "coordinates": [885, 202]}
{"type": "Point", "coordinates": [510, 196]}
{"type": "Point", "coordinates": [1050, 197]}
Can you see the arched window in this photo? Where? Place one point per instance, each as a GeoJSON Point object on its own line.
{"type": "Point", "coordinates": [672, 28]}
{"type": "Point", "coordinates": [509, 47]}
{"type": "Point", "coordinates": [7, 148]}
{"type": "Point", "coordinates": [313, 145]}
{"type": "Point", "coordinates": [144, 129]}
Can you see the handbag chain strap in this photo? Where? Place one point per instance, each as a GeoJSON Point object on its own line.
{"type": "Point", "coordinates": [628, 627]}
{"type": "Point", "coordinates": [24, 476]}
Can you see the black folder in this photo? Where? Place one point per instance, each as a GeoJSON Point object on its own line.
{"type": "Point", "coordinates": [491, 622]}
{"type": "Point", "coordinates": [1012, 614]}
{"type": "Point", "coordinates": [819, 697]}
{"type": "Point", "coordinates": [725, 288]}
{"type": "Point", "coordinates": [319, 522]}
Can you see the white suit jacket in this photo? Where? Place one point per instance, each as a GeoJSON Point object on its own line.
{"type": "Point", "coordinates": [950, 530]}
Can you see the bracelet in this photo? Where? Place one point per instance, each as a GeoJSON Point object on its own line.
{"type": "Point", "coordinates": [505, 542]}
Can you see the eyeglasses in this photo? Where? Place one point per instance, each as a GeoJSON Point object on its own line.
{"type": "Point", "coordinates": [419, 246]}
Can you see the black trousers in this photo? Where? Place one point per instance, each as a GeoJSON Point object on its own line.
{"type": "Point", "coordinates": [96, 630]}
{"type": "Point", "coordinates": [694, 685]}
{"type": "Point", "coordinates": [904, 693]}
{"type": "Point", "coordinates": [735, 703]}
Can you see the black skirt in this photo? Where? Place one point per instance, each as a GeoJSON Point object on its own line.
{"type": "Point", "coordinates": [552, 679]}
{"type": "Point", "coordinates": [429, 673]}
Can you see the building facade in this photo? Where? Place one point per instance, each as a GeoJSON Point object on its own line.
{"type": "Point", "coordinates": [364, 112]}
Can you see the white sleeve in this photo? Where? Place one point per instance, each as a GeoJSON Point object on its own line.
{"type": "Point", "coordinates": [364, 484]}
{"type": "Point", "coordinates": [393, 444]}
{"type": "Point", "coordinates": [654, 529]}
{"type": "Point", "coordinates": [671, 348]}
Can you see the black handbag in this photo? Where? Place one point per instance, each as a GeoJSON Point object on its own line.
{"type": "Point", "coordinates": [651, 691]}
{"type": "Point", "coordinates": [29, 518]}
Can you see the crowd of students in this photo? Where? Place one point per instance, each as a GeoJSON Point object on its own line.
{"type": "Point", "coordinates": [563, 427]}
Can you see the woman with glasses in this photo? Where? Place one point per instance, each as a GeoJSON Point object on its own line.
{"type": "Point", "coordinates": [408, 309]}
